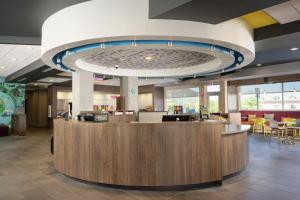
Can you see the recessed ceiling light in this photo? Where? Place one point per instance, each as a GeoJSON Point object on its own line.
{"type": "Point", "coordinates": [2, 67]}
{"type": "Point", "coordinates": [51, 80]}
{"type": "Point", "coordinates": [258, 65]}
{"type": "Point", "coordinates": [294, 49]}
{"type": "Point", "coordinates": [148, 58]}
{"type": "Point", "coordinates": [14, 59]}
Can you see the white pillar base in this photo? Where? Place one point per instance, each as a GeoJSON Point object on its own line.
{"type": "Point", "coordinates": [130, 91]}
{"type": "Point", "coordinates": [82, 92]}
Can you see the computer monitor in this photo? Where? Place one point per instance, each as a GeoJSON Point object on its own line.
{"type": "Point", "coordinates": [170, 118]}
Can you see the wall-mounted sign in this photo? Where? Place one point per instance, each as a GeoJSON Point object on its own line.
{"type": "Point", "coordinates": [133, 92]}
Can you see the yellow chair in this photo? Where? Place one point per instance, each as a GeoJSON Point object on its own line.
{"type": "Point", "coordinates": [296, 132]}
{"type": "Point", "coordinates": [222, 119]}
{"type": "Point", "coordinates": [259, 123]}
{"type": "Point", "coordinates": [289, 121]}
{"type": "Point", "coordinates": [251, 121]}
{"type": "Point", "coordinates": [251, 118]}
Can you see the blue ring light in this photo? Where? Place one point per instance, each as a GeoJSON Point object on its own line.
{"type": "Point", "coordinates": [238, 57]}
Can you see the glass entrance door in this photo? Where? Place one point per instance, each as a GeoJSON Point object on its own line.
{"type": "Point", "coordinates": [213, 103]}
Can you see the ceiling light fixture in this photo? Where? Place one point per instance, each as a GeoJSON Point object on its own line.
{"type": "Point", "coordinates": [258, 65]}
{"type": "Point", "coordinates": [2, 67]}
{"type": "Point", "coordinates": [294, 49]}
{"type": "Point", "coordinates": [148, 58]}
{"type": "Point", "coordinates": [14, 59]}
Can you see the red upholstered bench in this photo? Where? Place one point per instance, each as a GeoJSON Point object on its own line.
{"type": "Point", "coordinates": [4, 130]}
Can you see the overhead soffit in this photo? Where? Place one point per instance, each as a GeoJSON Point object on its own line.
{"type": "Point", "coordinates": [79, 46]}
{"type": "Point", "coordinates": [207, 11]}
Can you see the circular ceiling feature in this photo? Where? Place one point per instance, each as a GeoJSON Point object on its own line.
{"type": "Point", "coordinates": [122, 41]}
{"type": "Point", "coordinates": [148, 58]}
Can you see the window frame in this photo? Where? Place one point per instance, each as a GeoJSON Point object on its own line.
{"type": "Point", "coordinates": [282, 92]}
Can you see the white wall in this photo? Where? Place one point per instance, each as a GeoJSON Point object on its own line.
{"type": "Point", "coordinates": [145, 100]}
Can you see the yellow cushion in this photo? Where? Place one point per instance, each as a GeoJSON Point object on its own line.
{"type": "Point", "coordinates": [288, 119]}
{"type": "Point", "coordinates": [222, 119]}
{"type": "Point", "coordinates": [260, 121]}
{"type": "Point", "coordinates": [251, 118]}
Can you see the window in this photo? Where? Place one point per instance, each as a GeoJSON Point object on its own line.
{"type": "Point", "coordinates": [276, 96]}
{"type": "Point", "coordinates": [213, 88]}
{"type": "Point", "coordinates": [291, 95]}
{"type": "Point", "coordinates": [188, 98]}
{"type": "Point", "coordinates": [270, 96]}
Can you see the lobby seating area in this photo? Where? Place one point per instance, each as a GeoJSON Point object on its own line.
{"type": "Point", "coordinates": [282, 125]}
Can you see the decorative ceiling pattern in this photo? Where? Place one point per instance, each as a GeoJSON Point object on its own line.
{"type": "Point", "coordinates": [148, 58]}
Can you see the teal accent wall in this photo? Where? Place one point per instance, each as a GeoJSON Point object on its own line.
{"type": "Point", "coordinates": [12, 100]}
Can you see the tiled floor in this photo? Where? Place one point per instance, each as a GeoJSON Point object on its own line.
{"type": "Point", "coordinates": [27, 173]}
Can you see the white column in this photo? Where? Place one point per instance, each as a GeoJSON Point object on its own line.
{"type": "Point", "coordinates": [129, 89]}
{"type": "Point", "coordinates": [223, 97]}
{"type": "Point", "coordinates": [82, 92]}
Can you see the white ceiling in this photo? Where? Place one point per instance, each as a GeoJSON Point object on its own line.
{"type": "Point", "coordinates": [286, 12]}
{"type": "Point", "coordinates": [16, 57]}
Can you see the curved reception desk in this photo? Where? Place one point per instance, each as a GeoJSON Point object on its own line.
{"type": "Point", "coordinates": [164, 154]}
